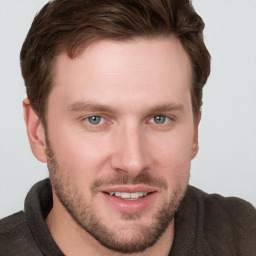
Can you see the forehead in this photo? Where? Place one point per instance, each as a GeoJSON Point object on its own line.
{"type": "Point", "coordinates": [130, 69]}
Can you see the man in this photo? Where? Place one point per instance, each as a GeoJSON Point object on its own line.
{"type": "Point", "coordinates": [114, 96]}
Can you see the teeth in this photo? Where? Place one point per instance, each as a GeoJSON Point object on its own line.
{"type": "Point", "coordinates": [125, 195]}
{"type": "Point", "coordinates": [117, 194]}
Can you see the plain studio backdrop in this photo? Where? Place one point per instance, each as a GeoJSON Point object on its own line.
{"type": "Point", "coordinates": [226, 163]}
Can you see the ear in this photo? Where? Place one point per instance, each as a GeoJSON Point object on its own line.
{"type": "Point", "coordinates": [35, 131]}
{"type": "Point", "coordinates": [195, 146]}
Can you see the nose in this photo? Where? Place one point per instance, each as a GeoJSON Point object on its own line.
{"type": "Point", "coordinates": [130, 152]}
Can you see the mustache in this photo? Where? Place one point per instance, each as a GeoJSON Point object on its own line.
{"type": "Point", "coordinates": [124, 179]}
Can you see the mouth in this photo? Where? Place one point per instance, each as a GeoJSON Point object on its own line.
{"type": "Point", "coordinates": [129, 196]}
{"type": "Point", "coordinates": [129, 199]}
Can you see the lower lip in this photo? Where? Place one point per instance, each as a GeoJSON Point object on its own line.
{"type": "Point", "coordinates": [130, 206]}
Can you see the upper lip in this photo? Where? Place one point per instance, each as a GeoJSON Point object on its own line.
{"type": "Point", "coordinates": [129, 188]}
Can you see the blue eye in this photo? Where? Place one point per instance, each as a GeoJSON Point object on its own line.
{"type": "Point", "coordinates": [94, 120]}
{"type": "Point", "coordinates": [160, 119]}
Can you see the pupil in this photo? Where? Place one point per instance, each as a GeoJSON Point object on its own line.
{"type": "Point", "coordinates": [159, 119]}
{"type": "Point", "coordinates": [94, 119]}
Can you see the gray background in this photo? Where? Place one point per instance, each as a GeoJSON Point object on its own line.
{"type": "Point", "coordinates": [226, 163]}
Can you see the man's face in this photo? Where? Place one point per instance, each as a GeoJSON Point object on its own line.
{"type": "Point", "coordinates": [121, 137]}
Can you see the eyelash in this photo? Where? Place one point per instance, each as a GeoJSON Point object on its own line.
{"type": "Point", "coordinates": [100, 122]}
{"type": "Point", "coordinates": [103, 120]}
{"type": "Point", "coordinates": [161, 116]}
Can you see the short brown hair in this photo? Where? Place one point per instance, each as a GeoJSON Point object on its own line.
{"type": "Point", "coordinates": [65, 25]}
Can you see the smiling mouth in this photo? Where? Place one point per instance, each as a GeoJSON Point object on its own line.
{"type": "Point", "coordinates": [128, 196]}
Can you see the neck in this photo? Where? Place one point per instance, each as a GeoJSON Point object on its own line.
{"type": "Point", "coordinates": [73, 240]}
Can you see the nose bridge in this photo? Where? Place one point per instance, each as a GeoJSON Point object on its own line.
{"type": "Point", "coordinates": [130, 152]}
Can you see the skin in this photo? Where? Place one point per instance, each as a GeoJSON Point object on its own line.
{"type": "Point", "coordinates": [132, 82]}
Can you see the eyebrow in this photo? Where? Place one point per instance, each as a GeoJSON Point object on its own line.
{"type": "Point", "coordinates": [167, 108]}
{"type": "Point", "coordinates": [93, 107]}
{"type": "Point", "coordinates": [82, 106]}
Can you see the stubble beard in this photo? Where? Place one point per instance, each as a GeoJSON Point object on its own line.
{"type": "Point", "coordinates": [141, 237]}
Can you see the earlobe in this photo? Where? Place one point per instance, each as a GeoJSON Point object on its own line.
{"type": "Point", "coordinates": [35, 131]}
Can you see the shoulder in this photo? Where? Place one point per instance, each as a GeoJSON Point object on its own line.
{"type": "Point", "coordinates": [15, 236]}
{"type": "Point", "coordinates": [228, 219]}
{"type": "Point", "coordinates": [11, 223]}
{"type": "Point", "coordinates": [235, 209]}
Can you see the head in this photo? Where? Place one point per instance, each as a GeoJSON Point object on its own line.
{"type": "Point", "coordinates": [115, 91]}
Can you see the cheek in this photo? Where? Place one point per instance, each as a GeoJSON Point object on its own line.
{"type": "Point", "coordinates": [178, 144]}
{"type": "Point", "coordinates": [173, 154]}
{"type": "Point", "coordinates": [77, 154]}
{"type": "Point", "coordinates": [175, 167]}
